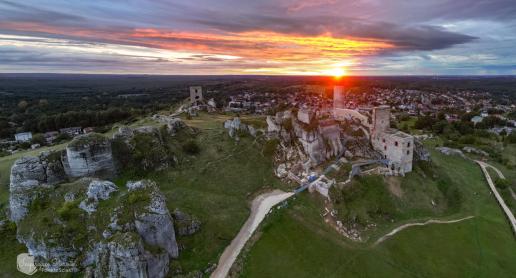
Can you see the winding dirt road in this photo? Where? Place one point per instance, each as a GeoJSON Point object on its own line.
{"type": "Point", "coordinates": [261, 206]}
{"type": "Point", "coordinates": [431, 221]}
{"type": "Point", "coordinates": [501, 202]}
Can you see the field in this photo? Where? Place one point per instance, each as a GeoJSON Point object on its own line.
{"type": "Point", "coordinates": [214, 186]}
{"type": "Point", "coordinates": [217, 184]}
{"type": "Point", "coordinates": [304, 246]}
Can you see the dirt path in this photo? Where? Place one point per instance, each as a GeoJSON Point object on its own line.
{"type": "Point", "coordinates": [499, 199]}
{"type": "Point", "coordinates": [431, 221]}
{"type": "Point", "coordinates": [261, 206]}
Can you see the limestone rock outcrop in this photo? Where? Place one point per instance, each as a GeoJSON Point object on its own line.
{"type": "Point", "coordinates": [89, 155]}
{"type": "Point", "coordinates": [60, 256]}
{"type": "Point", "coordinates": [450, 151]}
{"type": "Point", "coordinates": [173, 124]}
{"type": "Point", "coordinates": [142, 148]}
{"type": "Point", "coordinates": [97, 190]}
{"type": "Point", "coordinates": [154, 223]}
{"type": "Point", "coordinates": [125, 256]}
{"type": "Point", "coordinates": [185, 223]}
{"type": "Point", "coordinates": [137, 241]}
{"type": "Point", "coordinates": [420, 153]}
{"type": "Point", "coordinates": [29, 174]}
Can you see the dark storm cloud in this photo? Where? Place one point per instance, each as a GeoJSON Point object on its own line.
{"type": "Point", "coordinates": [16, 11]}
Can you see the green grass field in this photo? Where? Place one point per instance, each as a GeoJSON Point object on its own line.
{"type": "Point", "coordinates": [295, 242]}
{"type": "Point", "coordinates": [215, 186]}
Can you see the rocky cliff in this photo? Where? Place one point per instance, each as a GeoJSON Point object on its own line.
{"type": "Point", "coordinates": [89, 155]}
{"type": "Point", "coordinates": [29, 174]}
{"type": "Point", "coordinates": [143, 148]}
{"type": "Point", "coordinates": [122, 235]}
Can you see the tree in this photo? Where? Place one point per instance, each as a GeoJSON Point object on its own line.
{"type": "Point", "coordinates": [191, 147]}
{"type": "Point", "coordinates": [38, 139]}
{"type": "Point", "coordinates": [502, 183]}
{"type": "Point", "coordinates": [43, 102]}
{"type": "Point", "coordinates": [23, 105]}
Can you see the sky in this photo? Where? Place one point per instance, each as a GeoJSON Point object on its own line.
{"type": "Point", "coordinates": [287, 37]}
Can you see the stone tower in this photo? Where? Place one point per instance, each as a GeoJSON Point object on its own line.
{"type": "Point", "coordinates": [381, 118]}
{"type": "Point", "coordinates": [338, 97]}
{"type": "Point", "coordinates": [196, 94]}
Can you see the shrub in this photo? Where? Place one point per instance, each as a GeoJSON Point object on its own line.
{"type": "Point", "coordinates": [270, 147]}
{"type": "Point", "coordinates": [502, 183]}
{"type": "Point", "coordinates": [137, 197]}
{"type": "Point", "coordinates": [191, 147]}
{"type": "Point", "coordinates": [69, 210]}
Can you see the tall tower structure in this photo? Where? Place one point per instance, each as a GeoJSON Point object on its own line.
{"type": "Point", "coordinates": [196, 94]}
{"type": "Point", "coordinates": [338, 97]}
{"type": "Point", "coordinates": [381, 118]}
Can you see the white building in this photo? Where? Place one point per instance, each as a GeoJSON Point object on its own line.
{"type": "Point", "coordinates": [23, 136]}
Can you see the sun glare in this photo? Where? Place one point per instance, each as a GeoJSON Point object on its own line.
{"type": "Point", "coordinates": [338, 72]}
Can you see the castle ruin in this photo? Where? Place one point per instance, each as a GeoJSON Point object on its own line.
{"type": "Point", "coordinates": [396, 146]}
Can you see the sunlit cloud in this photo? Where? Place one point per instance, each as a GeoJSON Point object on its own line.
{"type": "Point", "coordinates": [305, 37]}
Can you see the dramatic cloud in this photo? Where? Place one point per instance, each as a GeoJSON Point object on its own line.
{"type": "Point", "coordinates": [269, 36]}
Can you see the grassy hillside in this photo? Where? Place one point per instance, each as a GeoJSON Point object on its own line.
{"type": "Point", "coordinates": [215, 186]}
{"type": "Point", "coordinates": [304, 246]}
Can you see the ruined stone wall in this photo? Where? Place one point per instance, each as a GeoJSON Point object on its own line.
{"type": "Point", "coordinates": [196, 94]}
{"type": "Point", "coordinates": [381, 118]}
{"type": "Point", "coordinates": [397, 147]}
{"type": "Point", "coordinates": [348, 114]}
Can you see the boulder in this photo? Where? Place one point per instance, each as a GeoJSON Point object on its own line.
{"type": "Point", "coordinates": [173, 124]}
{"type": "Point", "coordinates": [420, 153]}
{"type": "Point", "coordinates": [185, 224]}
{"type": "Point", "coordinates": [450, 151]}
{"type": "Point", "coordinates": [100, 190]}
{"type": "Point", "coordinates": [97, 190]}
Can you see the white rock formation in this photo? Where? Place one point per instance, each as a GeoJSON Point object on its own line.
{"type": "Point", "coordinates": [97, 190]}
{"type": "Point", "coordinates": [28, 174]}
{"type": "Point", "coordinates": [89, 155]}
{"type": "Point", "coordinates": [155, 224]}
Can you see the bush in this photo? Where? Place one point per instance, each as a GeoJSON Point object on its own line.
{"type": "Point", "coordinates": [69, 210]}
{"type": "Point", "coordinates": [137, 197]}
{"type": "Point", "coordinates": [511, 138]}
{"type": "Point", "coordinates": [191, 147]}
{"type": "Point", "coordinates": [38, 139]}
{"type": "Point", "coordinates": [467, 139]}
{"type": "Point", "coordinates": [502, 183]}
{"type": "Point", "coordinates": [270, 147]}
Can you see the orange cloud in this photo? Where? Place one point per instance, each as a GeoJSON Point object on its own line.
{"type": "Point", "coordinates": [281, 53]}
{"type": "Point", "coordinates": [264, 45]}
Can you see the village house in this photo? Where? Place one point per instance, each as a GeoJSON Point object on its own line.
{"type": "Point", "coordinates": [23, 137]}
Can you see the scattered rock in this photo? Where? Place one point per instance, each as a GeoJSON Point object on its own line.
{"type": "Point", "coordinates": [450, 151]}
{"type": "Point", "coordinates": [475, 151]}
{"type": "Point", "coordinates": [97, 190]}
{"type": "Point", "coordinates": [185, 224]}
{"type": "Point", "coordinates": [420, 152]}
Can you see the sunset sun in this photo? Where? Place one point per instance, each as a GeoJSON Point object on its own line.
{"type": "Point", "coordinates": [337, 72]}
